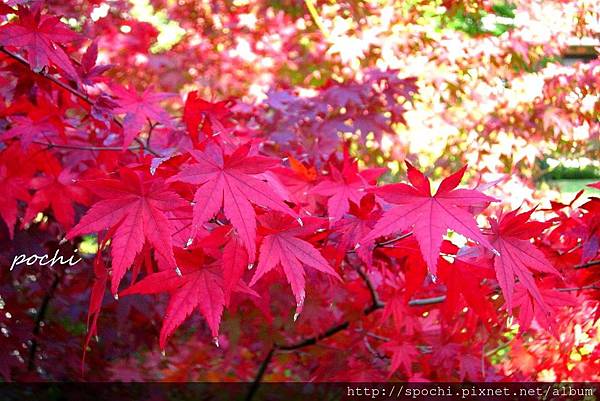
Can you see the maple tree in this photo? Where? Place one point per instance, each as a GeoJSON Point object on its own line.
{"type": "Point", "coordinates": [296, 191]}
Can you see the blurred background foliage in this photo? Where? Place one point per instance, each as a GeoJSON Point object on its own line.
{"type": "Point", "coordinates": [511, 87]}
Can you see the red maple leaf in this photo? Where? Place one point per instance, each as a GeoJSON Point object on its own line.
{"type": "Point", "coordinates": [193, 286]}
{"type": "Point", "coordinates": [15, 174]}
{"type": "Point", "coordinates": [399, 312]}
{"type": "Point", "coordinates": [29, 130]}
{"type": "Point", "coordinates": [282, 247]}
{"type": "Point", "coordinates": [138, 206]}
{"type": "Point", "coordinates": [530, 309]}
{"type": "Point", "coordinates": [430, 216]}
{"type": "Point", "coordinates": [89, 72]}
{"type": "Point", "coordinates": [463, 279]}
{"type": "Point", "coordinates": [409, 257]}
{"type": "Point", "coordinates": [235, 262]}
{"type": "Point", "coordinates": [42, 120]}
{"type": "Point", "coordinates": [101, 275]}
{"type": "Point", "coordinates": [511, 237]}
{"type": "Point", "coordinates": [403, 355]}
{"type": "Point", "coordinates": [139, 108]}
{"type": "Point", "coordinates": [41, 36]}
{"type": "Point", "coordinates": [212, 118]}
{"type": "Point", "coordinates": [298, 179]}
{"type": "Point", "coordinates": [345, 186]}
{"type": "Point", "coordinates": [57, 190]}
{"type": "Point", "coordinates": [232, 181]}
{"type": "Point", "coordinates": [358, 223]}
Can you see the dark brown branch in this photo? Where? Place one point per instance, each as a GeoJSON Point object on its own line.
{"type": "Point", "coordinates": [377, 337]}
{"type": "Point", "coordinates": [498, 348]}
{"type": "Point", "coordinates": [69, 89]}
{"type": "Point", "coordinates": [150, 130]}
{"type": "Point", "coordinates": [49, 77]}
{"type": "Point", "coordinates": [84, 147]}
{"type": "Point", "coordinates": [259, 375]}
{"type": "Point", "coordinates": [374, 295]}
{"type": "Point", "coordinates": [372, 350]}
{"type": "Point", "coordinates": [301, 344]}
{"type": "Point", "coordinates": [376, 304]}
{"type": "Point", "coordinates": [588, 264]}
{"type": "Point", "coordinates": [329, 332]}
{"type": "Point", "coordinates": [585, 287]}
{"type": "Point", "coordinates": [387, 243]}
{"type": "Point", "coordinates": [427, 301]}
{"type": "Point", "coordinates": [39, 319]}
{"type": "Point", "coordinates": [393, 240]}
{"type": "Point", "coordinates": [313, 340]}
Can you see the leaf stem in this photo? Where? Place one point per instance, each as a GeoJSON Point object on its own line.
{"type": "Point", "coordinates": [71, 90]}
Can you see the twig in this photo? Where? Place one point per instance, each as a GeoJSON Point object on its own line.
{"type": "Point", "coordinates": [427, 301]}
{"type": "Point", "coordinates": [51, 145]}
{"type": "Point", "coordinates": [387, 243]}
{"type": "Point", "coordinates": [301, 344]}
{"type": "Point", "coordinates": [259, 375]}
{"type": "Point", "coordinates": [384, 244]}
{"type": "Point", "coordinates": [47, 76]}
{"type": "Point", "coordinates": [373, 350]}
{"type": "Point", "coordinates": [374, 295]}
{"type": "Point", "coordinates": [150, 130]}
{"type": "Point", "coordinates": [588, 264]}
{"type": "Point", "coordinates": [498, 348]}
{"type": "Point", "coordinates": [376, 304]}
{"type": "Point", "coordinates": [378, 337]}
{"type": "Point", "coordinates": [69, 89]}
{"type": "Point", "coordinates": [314, 339]}
{"type": "Point", "coordinates": [585, 287]}
{"type": "Point", "coordinates": [39, 318]}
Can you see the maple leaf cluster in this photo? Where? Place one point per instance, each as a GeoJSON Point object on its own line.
{"type": "Point", "coordinates": [253, 226]}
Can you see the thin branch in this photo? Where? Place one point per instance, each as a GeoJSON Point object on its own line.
{"type": "Point", "coordinates": [313, 340]}
{"type": "Point", "coordinates": [585, 287]}
{"type": "Point", "coordinates": [427, 301]}
{"type": "Point", "coordinates": [259, 375]}
{"type": "Point", "coordinates": [498, 348]}
{"type": "Point", "coordinates": [373, 350]}
{"type": "Point", "coordinates": [51, 145]}
{"type": "Point", "coordinates": [378, 337]}
{"type": "Point", "coordinates": [374, 295]}
{"type": "Point", "coordinates": [150, 130]}
{"type": "Point", "coordinates": [69, 89]}
{"type": "Point", "coordinates": [376, 304]}
{"type": "Point", "coordinates": [39, 319]}
{"type": "Point", "coordinates": [47, 76]}
{"type": "Point", "coordinates": [329, 332]}
{"type": "Point", "coordinates": [588, 264]}
{"type": "Point", "coordinates": [387, 243]}
{"type": "Point", "coordinates": [301, 344]}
